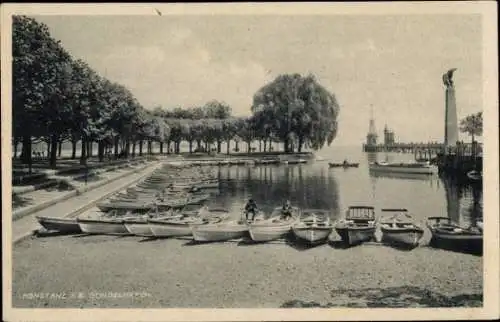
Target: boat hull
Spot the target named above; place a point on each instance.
(63, 225)
(404, 237)
(465, 241)
(102, 227)
(164, 230)
(213, 233)
(124, 206)
(139, 229)
(355, 235)
(312, 235)
(268, 233)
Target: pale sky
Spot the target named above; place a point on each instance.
(394, 63)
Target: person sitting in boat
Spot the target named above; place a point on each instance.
(250, 207)
(286, 211)
(345, 162)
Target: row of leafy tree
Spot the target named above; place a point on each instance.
(58, 98)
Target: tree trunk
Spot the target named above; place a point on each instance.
(26, 150)
(59, 148)
(117, 139)
(168, 147)
(177, 147)
(73, 149)
(89, 148)
(228, 148)
(133, 148)
(219, 143)
(53, 150)
(48, 149)
(286, 143)
(198, 144)
(248, 147)
(127, 148)
(191, 146)
(265, 146)
(140, 148)
(161, 147)
(100, 150)
(301, 142)
(83, 155)
(260, 146)
(270, 145)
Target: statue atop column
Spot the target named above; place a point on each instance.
(448, 78)
(451, 122)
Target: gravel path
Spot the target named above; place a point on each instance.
(127, 272)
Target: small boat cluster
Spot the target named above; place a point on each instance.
(169, 203)
(239, 161)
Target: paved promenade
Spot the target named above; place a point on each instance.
(24, 226)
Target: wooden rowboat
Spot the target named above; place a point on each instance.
(400, 228)
(100, 223)
(273, 228)
(357, 226)
(446, 234)
(62, 225)
(313, 227)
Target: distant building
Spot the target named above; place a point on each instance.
(371, 137)
(388, 136)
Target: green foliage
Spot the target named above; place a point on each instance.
(56, 97)
(472, 125)
(296, 108)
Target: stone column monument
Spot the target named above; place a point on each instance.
(451, 123)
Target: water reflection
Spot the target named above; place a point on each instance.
(315, 185)
(464, 201)
(271, 186)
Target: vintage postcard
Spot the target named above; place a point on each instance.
(250, 162)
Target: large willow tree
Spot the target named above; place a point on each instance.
(298, 111)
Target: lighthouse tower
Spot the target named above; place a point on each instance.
(371, 137)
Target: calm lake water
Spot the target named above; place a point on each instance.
(315, 185)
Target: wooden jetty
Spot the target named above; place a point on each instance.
(458, 159)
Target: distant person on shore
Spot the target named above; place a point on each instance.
(286, 211)
(250, 207)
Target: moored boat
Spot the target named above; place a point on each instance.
(137, 206)
(399, 228)
(179, 227)
(223, 231)
(357, 226)
(102, 224)
(314, 226)
(62, 225)
(139, 225)
(446, 234)
(402, 167)
(273, 228)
